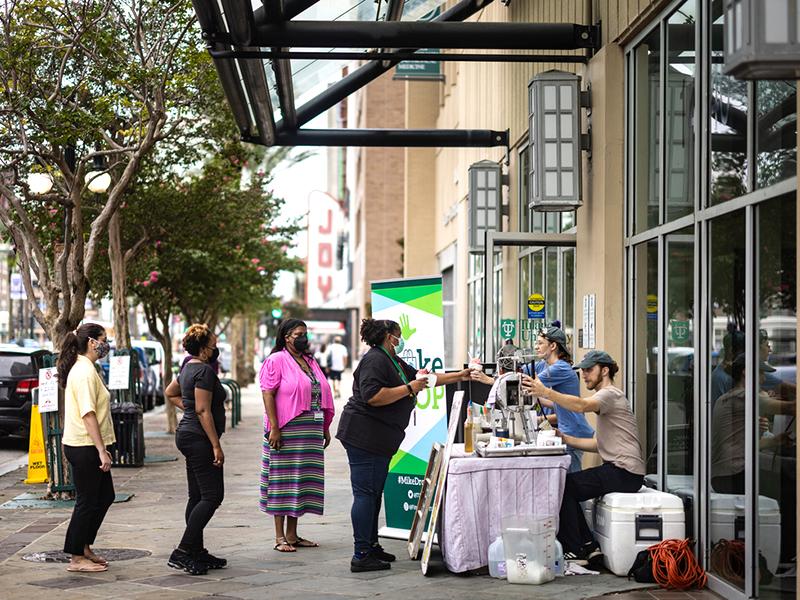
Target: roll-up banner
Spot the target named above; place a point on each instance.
(416, 304)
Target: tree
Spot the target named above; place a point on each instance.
(205, 246)
(86, 86)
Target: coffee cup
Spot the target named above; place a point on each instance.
(431, 377)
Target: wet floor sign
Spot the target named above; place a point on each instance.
(37, 462)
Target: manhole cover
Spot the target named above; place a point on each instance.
(111, 554)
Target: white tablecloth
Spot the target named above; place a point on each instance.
(480, 491)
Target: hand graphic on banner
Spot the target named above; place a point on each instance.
(405, 329)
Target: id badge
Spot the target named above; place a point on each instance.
(318, 415)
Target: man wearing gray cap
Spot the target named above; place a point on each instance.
(616, 440)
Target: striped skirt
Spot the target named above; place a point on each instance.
(293, 478)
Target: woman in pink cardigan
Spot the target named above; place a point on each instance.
(298, 407)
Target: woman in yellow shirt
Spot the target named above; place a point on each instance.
(88, 430)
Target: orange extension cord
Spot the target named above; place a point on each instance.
(675, 566)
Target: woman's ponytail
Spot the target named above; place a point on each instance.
(67, 357)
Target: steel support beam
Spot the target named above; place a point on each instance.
(211, 22)
(440, 57)
(422, 34)
(395, 138)
(273, 12)
(371, 71)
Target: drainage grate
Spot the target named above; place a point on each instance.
(110, 554)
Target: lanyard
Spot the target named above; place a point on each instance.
(396, 366)
(309, 373)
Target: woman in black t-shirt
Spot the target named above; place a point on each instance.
(372, 427)
(199, 393)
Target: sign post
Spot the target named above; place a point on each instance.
(416, 305)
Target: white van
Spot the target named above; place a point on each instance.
(155, 356)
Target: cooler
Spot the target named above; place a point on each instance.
(727, 523)
(626, 524)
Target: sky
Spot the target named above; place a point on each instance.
(294, 183)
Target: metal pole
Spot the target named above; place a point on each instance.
(395, 138)
(423, 34)
(399, 56)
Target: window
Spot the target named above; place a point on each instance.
(475, 306)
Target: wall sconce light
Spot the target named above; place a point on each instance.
(485, 202)
(762, 39)
(555, 102)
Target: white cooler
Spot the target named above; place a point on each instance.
(727, 523)
(626, 524)
(588, 512)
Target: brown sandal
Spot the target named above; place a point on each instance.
(303, 543)
(281, 545)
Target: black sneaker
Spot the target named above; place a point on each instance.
(183, 561)
(378, 552)
(212, 561)
(369, 563)
(574, 558)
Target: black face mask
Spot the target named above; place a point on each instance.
(214, 355)
(301, 343)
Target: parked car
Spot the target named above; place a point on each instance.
(19, 376)
(155, 357)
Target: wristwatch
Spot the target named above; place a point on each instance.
(410, 389)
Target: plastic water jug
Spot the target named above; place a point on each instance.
(497, 559)
(530, 549)
(558, 562)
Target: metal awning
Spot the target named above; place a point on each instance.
(284, 62)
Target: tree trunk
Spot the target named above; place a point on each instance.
(166, 341)
(116, 258)
(159, 325)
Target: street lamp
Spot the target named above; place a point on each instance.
(98, 182)
(555, 141)
(762, 39)
(39, 183)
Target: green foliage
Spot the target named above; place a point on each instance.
(213, 250)
(84, 81)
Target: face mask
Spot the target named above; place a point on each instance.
(214, 355)
(301, 343)
(102, 349)
(398, 347)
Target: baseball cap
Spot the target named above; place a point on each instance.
(595, 357)
(554, 333)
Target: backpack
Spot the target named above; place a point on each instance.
(642, 568)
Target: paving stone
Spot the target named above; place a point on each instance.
(68, 582)
(169, 581)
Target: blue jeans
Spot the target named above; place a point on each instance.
(368, 473)
(576, 456)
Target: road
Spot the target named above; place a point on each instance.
(13, 453)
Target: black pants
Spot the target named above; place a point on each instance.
(94, 493)
(573, 532)
(206, 486)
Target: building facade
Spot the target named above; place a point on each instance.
(681, 261)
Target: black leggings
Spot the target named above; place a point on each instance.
(94, 494)
(573, 532)
(206, 487)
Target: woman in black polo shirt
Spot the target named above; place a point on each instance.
(371, 428)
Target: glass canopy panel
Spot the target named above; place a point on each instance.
(311, 77)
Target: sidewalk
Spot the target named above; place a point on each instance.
(152, 521)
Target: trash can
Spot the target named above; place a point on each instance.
(128, 421)
(127, 414)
